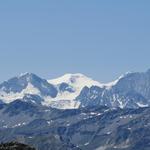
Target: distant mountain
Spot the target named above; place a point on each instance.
(131, 90)
(28, 83)
(69, 87)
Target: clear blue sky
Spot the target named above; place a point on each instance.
(99, 38)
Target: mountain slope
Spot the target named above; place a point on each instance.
(78, 129)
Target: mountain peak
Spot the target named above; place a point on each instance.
(29, 78)
(26, 83)
(74, 74)
(27, 75)
(75, 82)
(113, 83)
(76, 78)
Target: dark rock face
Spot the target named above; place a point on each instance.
(64, 87)
(15, 146)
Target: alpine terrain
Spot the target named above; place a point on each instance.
(75, 112)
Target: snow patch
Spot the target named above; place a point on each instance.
(142, 105)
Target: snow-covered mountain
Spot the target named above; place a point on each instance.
(59, 93)
(26, 84)
(131, 90)
(70, 85)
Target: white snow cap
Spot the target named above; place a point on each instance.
(79, 80)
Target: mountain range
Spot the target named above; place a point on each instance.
(72, 91)
(74, 112)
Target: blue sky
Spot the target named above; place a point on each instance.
(100, 38)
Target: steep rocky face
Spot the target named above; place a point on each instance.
(136, 82)
(131, 91)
